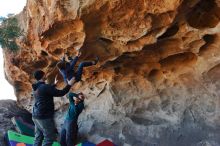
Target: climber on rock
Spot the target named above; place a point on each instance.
(67, 68)
(43, 108)
(70, 127)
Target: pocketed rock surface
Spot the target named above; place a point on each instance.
(157, 82)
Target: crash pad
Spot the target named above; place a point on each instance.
(17, 139)
(106, 143)
(22, 126)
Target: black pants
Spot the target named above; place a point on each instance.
(77, 74)
(79, 71)
(45, 133)
(69, 133)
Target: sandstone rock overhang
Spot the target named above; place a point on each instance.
(157, 79)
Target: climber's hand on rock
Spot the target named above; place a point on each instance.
(55, 81)
(78, 47)
(63, 58)
(78, 54)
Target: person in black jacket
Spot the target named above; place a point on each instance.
(43, 109)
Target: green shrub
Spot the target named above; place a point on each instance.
(9, 31)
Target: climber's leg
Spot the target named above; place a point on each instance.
(63, 136)
(71, 133)
(80, 69)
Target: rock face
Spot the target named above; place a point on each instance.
(157, 82)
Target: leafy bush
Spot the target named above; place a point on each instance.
(9, 31)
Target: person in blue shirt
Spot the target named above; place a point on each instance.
(67, 68)
(70, 127)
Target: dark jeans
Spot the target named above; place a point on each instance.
(44, 130)
(80, 69)
(69, 132)
(69, 74)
